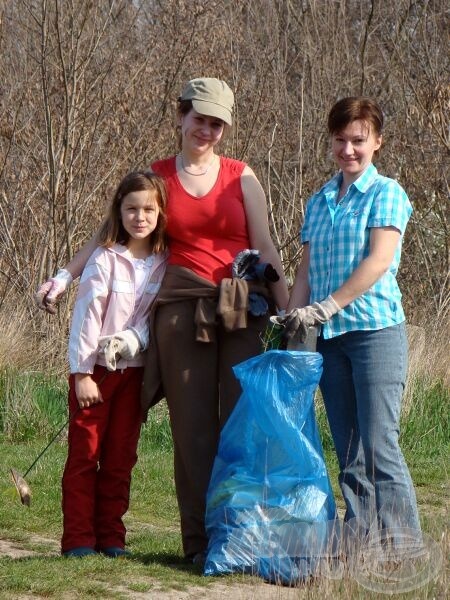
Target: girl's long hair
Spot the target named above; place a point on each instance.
(112, 231)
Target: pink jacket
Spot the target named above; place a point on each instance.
(106, 304)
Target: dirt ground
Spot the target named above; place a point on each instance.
(228, 590)
(259, 591)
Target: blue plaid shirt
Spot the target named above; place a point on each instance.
(338, 237)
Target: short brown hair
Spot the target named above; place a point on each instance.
(355, 108)
(112, 230)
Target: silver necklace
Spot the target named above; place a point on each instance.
(197, 174)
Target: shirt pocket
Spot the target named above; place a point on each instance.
(120, 286)
(355, 218)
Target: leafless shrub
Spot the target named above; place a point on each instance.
(88, 92)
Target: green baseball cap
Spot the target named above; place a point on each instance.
(211, 97)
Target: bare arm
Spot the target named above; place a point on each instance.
(80, 258)
(300, 291)
(383, 243)
(258, 229)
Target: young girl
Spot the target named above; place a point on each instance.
(108, 335)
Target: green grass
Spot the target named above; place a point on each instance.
(157, 566)
(425, 427)
(31, 404)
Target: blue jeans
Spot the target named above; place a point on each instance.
(363, 379)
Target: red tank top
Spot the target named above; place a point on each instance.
(206, 233)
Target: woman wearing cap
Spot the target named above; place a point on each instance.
(216, 208)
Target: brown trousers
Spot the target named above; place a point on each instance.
(201, 391)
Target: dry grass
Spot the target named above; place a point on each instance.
(34, 341)
(428, 357)
(31, 340)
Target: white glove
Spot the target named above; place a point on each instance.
(322, 312)
(123, 344)
(297, 321)
(49, 293)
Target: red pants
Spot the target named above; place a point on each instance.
(103, 440)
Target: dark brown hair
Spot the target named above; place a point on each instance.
(184, 106)
(355, 108)
(112, 230)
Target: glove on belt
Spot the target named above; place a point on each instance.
(124, 344)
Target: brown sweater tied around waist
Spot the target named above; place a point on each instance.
(227, 301)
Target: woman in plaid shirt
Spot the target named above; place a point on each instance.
(346, 284)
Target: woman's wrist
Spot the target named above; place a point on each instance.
(63, 276)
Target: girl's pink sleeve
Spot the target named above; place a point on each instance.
(88, 314)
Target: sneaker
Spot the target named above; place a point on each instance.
(115, 552)
(79, 552)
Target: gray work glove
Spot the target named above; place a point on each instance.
(124, 344)
(49, 293)
(297, 321)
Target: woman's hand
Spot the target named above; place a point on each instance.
(297, 321)
(50, 292)
(86, 390)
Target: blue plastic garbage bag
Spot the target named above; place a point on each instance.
(270, 507)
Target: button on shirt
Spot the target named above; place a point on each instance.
(338, 237)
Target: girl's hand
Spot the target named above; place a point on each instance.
(86, 390)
